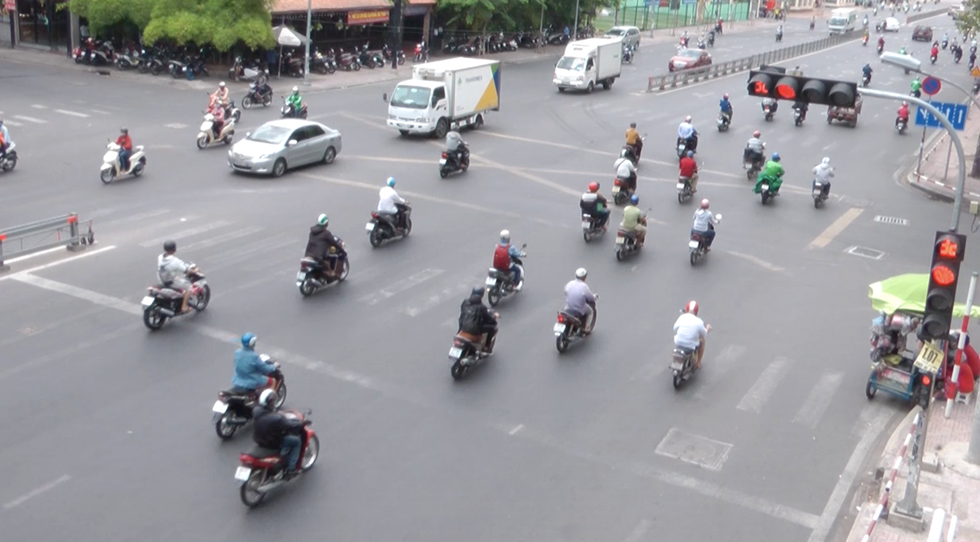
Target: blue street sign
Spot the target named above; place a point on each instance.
(955, 113)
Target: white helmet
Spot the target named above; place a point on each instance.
(826, 161)
(581, 273)
(687, 118)
(221, 84)
(505, 236)
(295, 89)
(267, 398)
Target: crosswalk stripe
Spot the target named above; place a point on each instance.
(72, 113)
(131, 218)
(720, 366)
(818, 400)
(451, 291)
(402, 285)
(30, 119)
(13, 123)
(768, 381)
(217, 240)
(39, 106)
(185, 233)
(149, 229)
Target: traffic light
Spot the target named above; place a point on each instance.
(947, 253)
(768, 83)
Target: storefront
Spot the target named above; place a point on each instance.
(416, 20)
(35, 23)
(337, 22)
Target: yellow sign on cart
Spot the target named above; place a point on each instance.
(930, 358)
(975, 72)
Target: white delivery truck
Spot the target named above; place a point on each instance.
(591, 62)
(842, 20)
(445, 95)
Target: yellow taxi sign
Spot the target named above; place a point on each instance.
(975, 72)
(930, 358)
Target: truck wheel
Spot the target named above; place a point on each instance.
(441, 128)
(607, 84)
(478, 122)
(590, 88)
(560, 89)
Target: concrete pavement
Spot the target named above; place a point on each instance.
(593, 444)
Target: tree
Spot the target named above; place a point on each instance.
(968, 22)
(477, 14)
(102, 14)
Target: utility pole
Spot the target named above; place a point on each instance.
(396, 32)
(309, 29)
(575, 28)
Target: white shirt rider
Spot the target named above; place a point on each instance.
(388, 199)
(624, 168)
(171, 269)
(756, 145)
(685, 130)
(823, 171)
(703, 217)
(688, 331)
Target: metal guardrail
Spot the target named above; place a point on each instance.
(685, 77)
(60, 231)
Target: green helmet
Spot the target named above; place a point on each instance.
(323, 220)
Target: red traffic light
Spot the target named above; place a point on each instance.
(786, 88)
(943, 275)
(760, 88)
(949, 248)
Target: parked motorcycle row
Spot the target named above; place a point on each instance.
(185, 62)
(496, 42)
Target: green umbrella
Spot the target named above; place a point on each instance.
(907, 293)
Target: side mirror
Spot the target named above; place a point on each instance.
(291, 142)
(385, 97)
(248, 134)
(523, 246)
(718, 217)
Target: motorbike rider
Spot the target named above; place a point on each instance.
(823, 173)
(504, 256)
(903, 114)
(218, 112)
(456, 147)
(935, 50)
(865, 37)
(172, 272)
(754, 148)
(595, 205)
(5, 141)
(772, 103)
(125, 148)
(295, 101)
(276, 431)
(477, 322)
(684, 38)
(324, 247)
(704, 222)
(945, 39)
(772, 174)
(580, 301)
(711, 37)
(634, 140)
(957, 51)
(718, 26)
(779, 32)
(626, 172)
(687, 133)
(802, 107)
(813, 22)
(391, 204)
(689, 170)
(634, 221)
(973, 57)
(881, 42)
(251, 373)
(916, 87)
(726, 108)
(221, 96)
(690, 332)
(866, 70)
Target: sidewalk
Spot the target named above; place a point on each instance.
(932, 177)
(955, 488)
(339, 80)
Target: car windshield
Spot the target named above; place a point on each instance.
(837, 21)
(616, 32)
(922, 29)
(572, 63)
(270, 134)
(411, 97)
(690, 53)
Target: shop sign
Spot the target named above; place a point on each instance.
(9, 5)
(414, 11)
(367, 17)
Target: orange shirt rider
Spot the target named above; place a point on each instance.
(125, 148)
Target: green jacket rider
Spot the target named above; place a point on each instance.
(916, 84)
(295, 100)
(772, 175)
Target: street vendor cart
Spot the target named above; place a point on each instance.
(845, 114)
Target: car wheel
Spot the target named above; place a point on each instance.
(279, 168)
(329, 155)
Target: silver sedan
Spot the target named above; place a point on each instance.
(283, 144)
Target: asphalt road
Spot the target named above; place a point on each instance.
(106, 420)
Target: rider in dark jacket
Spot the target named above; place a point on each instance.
(275, 431)
(476, 319)
(323, 246)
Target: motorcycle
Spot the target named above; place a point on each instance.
(779, 37)
(449, 164)
(945, 44)
(233, 409)
(880, 48)
(257, 95)
(312, 275)
(902, 125)
(682, 365)
(111, 167)
(865, 81)
(288, 112)
(9, 162)
(177, 68)
(468, 351)
(626, 243)
(371, 60)
(590, 227)
(570, 328)
(162, 303)
(798, 115)
(421, 53)
(767, 192)
(711, 39)
(957, 55)
(381, 228)
(933, 58)
(698, 245)
(347, 61)
(621, 191)
(682, 147)
(916, 93)
(126, 60)
(754, 166)
(386, 54)
(701, 44)
(684, 191)
(723, 122)
(206, 137)
(264, 469)
(196, 67)
(769, 111)
(629, 152)
(627, 54)
(500, 284)
(864, 41)
(322, 64)
(251, 73)
(818, 194)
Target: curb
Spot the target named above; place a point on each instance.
(934, 189)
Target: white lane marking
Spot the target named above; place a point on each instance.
(836, 228)
(234, 256)
(30, 495)
(388, 159)
(451, 291)
(186, 233)
(818, 400)
(154, 225)
(761, 263)
(30, 119)
(80, 293)
(101, 112)
(71, 113)
(12, 123)
(514, 431)
(400, 286)
(821, 528)
(59, 262)
(720, 366)
(222, 238)
(39, 106)
(640, 530)
(768, 381)
(35, 255)
(132, 218)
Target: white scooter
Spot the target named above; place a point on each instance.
(206, 138)
(111, 168)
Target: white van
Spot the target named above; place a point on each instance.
(842, 21)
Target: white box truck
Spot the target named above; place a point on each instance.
(842, 20)
(445, 95)
(588, 63)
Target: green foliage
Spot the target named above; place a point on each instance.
(969, 20)
(101, 14)
(514, 14)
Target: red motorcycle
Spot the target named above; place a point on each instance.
(264, 469)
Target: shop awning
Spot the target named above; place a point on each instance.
(421, 2)
(299, 6)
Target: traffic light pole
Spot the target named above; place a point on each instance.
(961, 182)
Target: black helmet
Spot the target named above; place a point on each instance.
(478, 292)
(632, 125)
(124, 130)
(169, 246)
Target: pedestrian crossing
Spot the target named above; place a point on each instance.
(43, 114)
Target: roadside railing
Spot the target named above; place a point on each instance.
(60, 231)
(685, 77)
(911, 438)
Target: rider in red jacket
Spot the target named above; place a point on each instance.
(125, 148)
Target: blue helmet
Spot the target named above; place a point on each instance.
(249, 340)
(391, 182)
(775, 157)
(634, 199)
(690, 154)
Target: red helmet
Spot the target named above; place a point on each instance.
(593, 187)
(757, 134)
(692, 307)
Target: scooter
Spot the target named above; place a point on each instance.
(206, 137)
(288, 113)
(448, 164)
(698, 245)
(9, 162)
(629, 152)
(621, 191)
(902, 125)
(865, 81)
(818, 194)
(468, 351)
(767, 192)
(933, 58)
(312, 275)
(242, 72)
(880, 48)
(125, 60)
(111, 167)
(264, 469)
(682, 365)
(798, 116)
(864, 41)
(627, 54)
(753, 167)
(591, 228)
(723, 122)
(162, 303)
(570, 329)
(684, 191)
(945, 44)
(233, 409)
(258, 94)
(500, 284)
(768, 111)
(380, 229)
(626, 242)
(779, 37)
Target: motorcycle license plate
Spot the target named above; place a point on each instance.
(586, 224)
(765, 187)
(147, 301)
(676, 365)
(219, 407)
(620, 240)
(455, 352)
(370, 226)
(559, 328)
(242, 473)
(442, 161)
(301, 276)
(694, 244)
(615, 190)
(680, 186)
(816, 192)
(491, 282)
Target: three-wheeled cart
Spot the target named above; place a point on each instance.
(845, 114)
(896, 369)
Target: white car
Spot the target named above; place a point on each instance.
(892, 24)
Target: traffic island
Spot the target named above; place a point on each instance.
(935, 176)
